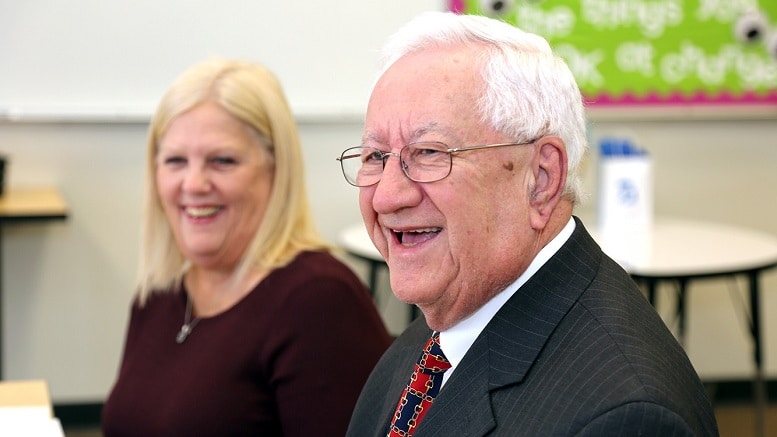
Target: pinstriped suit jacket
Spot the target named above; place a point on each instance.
(577, 350)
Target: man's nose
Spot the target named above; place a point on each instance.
(394, 190)
(393, 168)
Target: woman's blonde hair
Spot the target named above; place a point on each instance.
(252, 94)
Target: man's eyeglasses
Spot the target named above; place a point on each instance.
(421, 162)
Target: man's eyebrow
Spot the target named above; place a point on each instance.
(371, 138)
(414, 136)
(420, 132)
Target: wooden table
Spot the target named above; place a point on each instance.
(30, 204)
(25, 205)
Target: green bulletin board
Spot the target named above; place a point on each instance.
(655, 52)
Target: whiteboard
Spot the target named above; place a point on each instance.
(114, 59)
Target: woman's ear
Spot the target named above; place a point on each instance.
(550, 179)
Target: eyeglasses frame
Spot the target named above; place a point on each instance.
(385, 155)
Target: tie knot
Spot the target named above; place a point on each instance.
(432, 360)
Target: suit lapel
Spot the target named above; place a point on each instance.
(509, 345)
(463, 406)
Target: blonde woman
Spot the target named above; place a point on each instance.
(244, 323)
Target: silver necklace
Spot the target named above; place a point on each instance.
(188, 323)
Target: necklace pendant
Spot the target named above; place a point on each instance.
(183, 333)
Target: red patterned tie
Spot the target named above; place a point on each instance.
(420, 392)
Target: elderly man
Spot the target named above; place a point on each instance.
(468, 171)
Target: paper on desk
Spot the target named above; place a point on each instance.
(26, 421)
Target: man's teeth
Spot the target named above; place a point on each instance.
(199, 212)
(416, 236)
(418, 231)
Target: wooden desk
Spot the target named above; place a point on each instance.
(673, 250)
(25, 206)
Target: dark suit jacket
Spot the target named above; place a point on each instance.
(577, 350)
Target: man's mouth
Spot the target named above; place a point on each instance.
(416, 236)
(202, 211)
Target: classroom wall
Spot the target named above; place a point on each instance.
(110, 58)
(67, 286)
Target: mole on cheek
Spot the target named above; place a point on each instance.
(508, 166)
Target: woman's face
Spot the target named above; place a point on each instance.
(214, 179)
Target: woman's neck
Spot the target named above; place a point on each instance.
(214, 291)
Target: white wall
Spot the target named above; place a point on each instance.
(110, 57)
(67, 285)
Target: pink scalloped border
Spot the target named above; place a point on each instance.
(678, 99)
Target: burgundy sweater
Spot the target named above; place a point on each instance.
(289, 359)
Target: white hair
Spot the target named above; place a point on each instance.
(528, 90)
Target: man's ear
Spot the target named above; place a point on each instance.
(550, 175)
